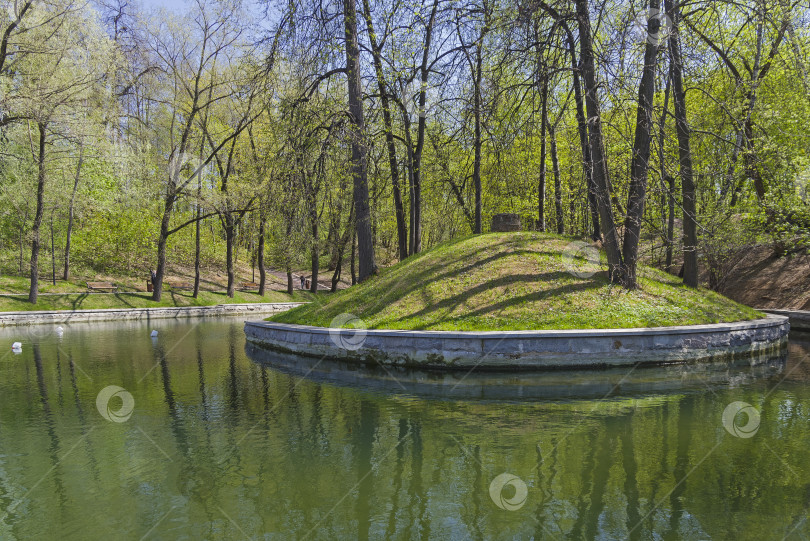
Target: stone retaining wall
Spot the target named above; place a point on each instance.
(799, 319)
(116, 314)
(530, 350)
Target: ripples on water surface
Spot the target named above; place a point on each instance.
(227, 442)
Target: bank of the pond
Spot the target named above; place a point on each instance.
(799, 319)
(146, 314)
(757, 340)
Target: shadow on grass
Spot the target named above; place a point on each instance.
(450, 304)
(382, 292)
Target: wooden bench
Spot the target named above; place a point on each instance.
(248, 286)
(102, 286)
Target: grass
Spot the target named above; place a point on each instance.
(72, 295)
(514, 281)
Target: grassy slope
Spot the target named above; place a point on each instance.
(513, 281)
(68, 299)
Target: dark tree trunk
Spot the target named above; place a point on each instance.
(354, 252)
(582, 123)
(690, 272)
(399, 209)
(365, 241)
(33, 291)
(667, 200)
(163, 239)
(288, 257)
(555, 164)
(541, 185)
(230, 237)
(53, 254)
(260, 255)
(420, 137)
(616, 271)
(582, 129)
(197, 242)
(68, 236)
(411, 183)
(341, 249)
(670, 223)
(477, 106)
(641, 151)
(315, 252)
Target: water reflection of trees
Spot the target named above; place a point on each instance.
(283, 456)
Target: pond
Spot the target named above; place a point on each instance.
(108, 433)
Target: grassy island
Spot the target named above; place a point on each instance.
(515, 281)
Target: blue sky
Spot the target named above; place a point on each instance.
(174, 5)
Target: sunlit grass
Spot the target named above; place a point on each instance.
(514, 281)
(72, 295)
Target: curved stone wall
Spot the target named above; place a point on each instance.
(757, 340)
(117, 314)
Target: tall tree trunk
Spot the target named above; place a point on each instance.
(641, 150)
(287, 256)
(230, 237)
(690, 265)
(399, 209)
(666, 194)
(409, 161)
(68, 236)
(354, 252)
(582, 130)
(163, 239)
(260, 255)
(670, 223)
(53, 254)
(424, 71)
(555, 164)
(342, 242)
(197, 249)
(316, 249)
(541, 185)
(365, 241)
(616, 270)
(33, 291)
(478, 143)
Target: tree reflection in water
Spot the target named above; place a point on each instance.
(254, 449)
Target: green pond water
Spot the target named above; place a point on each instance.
(224, 441)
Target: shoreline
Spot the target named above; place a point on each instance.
(8, 319)
(756, 340)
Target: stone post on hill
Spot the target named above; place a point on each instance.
(502, 223)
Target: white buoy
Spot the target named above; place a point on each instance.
(154, 334)
(16, 346)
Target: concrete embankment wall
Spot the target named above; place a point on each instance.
(799, 319)
(529, 350)
(145, 314)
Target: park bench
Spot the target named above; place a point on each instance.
(102, 286)
(248, 286)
